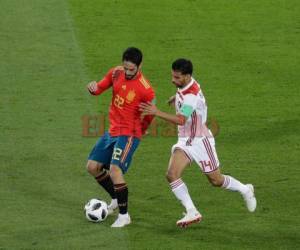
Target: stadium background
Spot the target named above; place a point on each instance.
(246, 57)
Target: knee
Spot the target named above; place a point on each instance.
(115, 171)
(93, 168)
(172, 175)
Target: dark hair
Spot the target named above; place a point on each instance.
(183, 65)
(133, 55)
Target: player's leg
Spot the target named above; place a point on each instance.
(121, 158)
(178, 162)
(98, 165)
(230, 183)
(207, 159)
(121, 191)
(98, 170)
(102, 176)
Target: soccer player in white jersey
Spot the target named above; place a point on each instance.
(195, 143)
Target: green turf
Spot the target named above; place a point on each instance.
(246, 57)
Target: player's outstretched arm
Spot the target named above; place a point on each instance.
(150, 109)
(96, 88)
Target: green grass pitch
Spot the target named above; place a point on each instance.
(246, 57)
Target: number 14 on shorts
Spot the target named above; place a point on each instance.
(206, 166)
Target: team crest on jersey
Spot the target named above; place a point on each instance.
(124, 87)
(130, 96)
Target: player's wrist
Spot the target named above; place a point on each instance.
(158, 113)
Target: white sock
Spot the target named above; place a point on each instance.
(181, 192)
(234, 185)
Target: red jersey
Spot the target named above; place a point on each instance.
(124, 115)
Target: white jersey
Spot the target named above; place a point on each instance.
(190, 102)
(194, 138)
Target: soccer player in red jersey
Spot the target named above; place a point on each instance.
(111, 156)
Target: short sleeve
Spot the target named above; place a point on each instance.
(189, 105)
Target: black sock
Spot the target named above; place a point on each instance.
(121, 191)
(105, 181)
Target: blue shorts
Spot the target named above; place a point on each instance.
(117, 150)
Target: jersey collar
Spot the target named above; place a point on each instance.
(187, 86)
(138, 75)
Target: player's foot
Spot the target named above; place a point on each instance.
(112, 206)
(249, 198)
(192, 216)
(123, 220)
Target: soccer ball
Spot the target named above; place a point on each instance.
(96, 210)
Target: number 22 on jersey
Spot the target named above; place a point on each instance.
(119, 101)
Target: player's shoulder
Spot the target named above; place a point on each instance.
(114, 73)
(117, 71)
(192, 90)
(144, 82)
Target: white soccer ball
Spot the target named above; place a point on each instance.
(96, 210)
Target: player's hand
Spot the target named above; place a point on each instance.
(148, 108)
(92, 87)
(171, 100)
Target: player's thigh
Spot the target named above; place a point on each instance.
(177, 163)
(102, 151)
(123, 152)
(204, 154)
